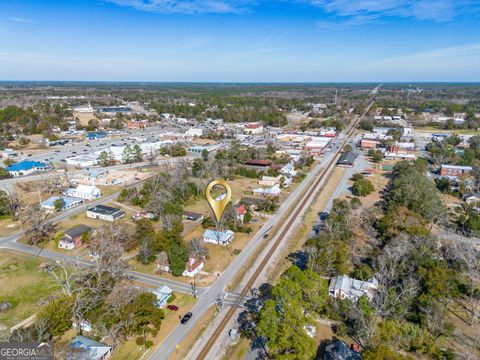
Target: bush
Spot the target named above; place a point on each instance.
(139, 340)
(148, 344)
(357, 177)
(340, 329)
(237, 251)
(355, 203)
(171, 298)
(208, 222)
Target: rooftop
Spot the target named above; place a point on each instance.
(26, 165)
(104, 210)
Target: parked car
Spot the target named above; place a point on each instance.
(186, 317)
(172, 307)
(265, 236)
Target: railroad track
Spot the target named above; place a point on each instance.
(316, 183)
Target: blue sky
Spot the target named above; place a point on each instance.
(240, 40)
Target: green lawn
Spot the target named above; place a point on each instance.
(23, 284)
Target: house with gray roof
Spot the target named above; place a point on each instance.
(344, 287)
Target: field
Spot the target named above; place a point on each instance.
(23, 284)
(8, 226)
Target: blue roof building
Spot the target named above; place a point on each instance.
(92, 135)
(88, 349)
(26, 167)
(68, 201)
(218, 237)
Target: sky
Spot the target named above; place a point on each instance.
(240, 40)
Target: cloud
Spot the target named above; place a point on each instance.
(454, 63)
(187, 6)
(21, 20)
(433, 10)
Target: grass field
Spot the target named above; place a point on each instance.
(23, 284)
(8, 226)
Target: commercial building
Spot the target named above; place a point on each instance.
(137, 124)
(26, 167)
(93, 135)
(454, 170)
(253, 128)
(103, 212)
(68, 203)
(347, 159)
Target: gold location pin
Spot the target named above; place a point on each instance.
(219, 206)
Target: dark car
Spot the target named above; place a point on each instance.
(186, 317)
(265, 236)
(172, 307)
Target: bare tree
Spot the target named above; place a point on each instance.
(197, 249)
(35, 224)
(161, 262)
(107, 257)
(65, 275)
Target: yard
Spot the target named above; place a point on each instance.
(23, 284)
(131, 351)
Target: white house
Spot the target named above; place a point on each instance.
(163, 294)
(343, 287)
(274, 191)
(88, 192)
(218, 237)
(288, 170)
(68, 203)
(270, 180)
(194, 266)
(103, 212)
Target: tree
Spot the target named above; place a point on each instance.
(5, 207)
(36, 226)
(205, 155)
(57, 315)
(137, 153)
(8, 162)
(362, 187)
(127, 155)
(59, 204)
(105, 158)
(177, 256)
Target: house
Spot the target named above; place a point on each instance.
(343, 287)
(73, 237)
(26, 167)
(251, 202)
(218, 237)
(274, 191)
(194, 266)
(270, 180)
(240, 212)
(192, 216)
(347, 159)
(68, 203)
(87, 349)
(454, 170)
(288, 171)
(254, 128)
(103, 212)
(143, 215)
(472, 199)
(339, 350)
(87, 192)
(163, 294)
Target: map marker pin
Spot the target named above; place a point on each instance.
(218, 206)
